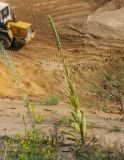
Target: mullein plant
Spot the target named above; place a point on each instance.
(78, 120)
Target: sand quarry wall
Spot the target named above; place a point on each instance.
(108, 21)
(107, 24)
(112, 5)
(47, 78)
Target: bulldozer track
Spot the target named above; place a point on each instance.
(77, 48)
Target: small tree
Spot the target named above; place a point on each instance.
(111, 82)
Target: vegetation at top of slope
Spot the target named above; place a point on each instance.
(111, 82)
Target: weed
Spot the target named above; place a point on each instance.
(53, 100)
(78, 120)
(97, 152)
(111, 82)
(63, 121)
(99, 107)
(115, 129)
(32, 146)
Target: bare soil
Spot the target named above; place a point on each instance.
(12, 111)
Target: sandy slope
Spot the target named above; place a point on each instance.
(38, 63)
(107, 24)
(37, 81)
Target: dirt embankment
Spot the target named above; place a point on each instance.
(107, 24)
(112, 5)
(108, 20)
(84, 53)
(36, 81)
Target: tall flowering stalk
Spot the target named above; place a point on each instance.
(78, 120)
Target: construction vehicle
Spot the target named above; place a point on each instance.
(11, 30)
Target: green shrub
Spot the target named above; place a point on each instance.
(32, 146)
(111, 82)
(53, 100)
(64, 121)
(116, 129)
(97, 152)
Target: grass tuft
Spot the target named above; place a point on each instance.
(53, 100)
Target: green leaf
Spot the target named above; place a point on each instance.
(76, 126)
(69, 134)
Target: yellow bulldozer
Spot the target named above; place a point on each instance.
(11, 30)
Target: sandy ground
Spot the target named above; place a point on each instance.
(12, 111)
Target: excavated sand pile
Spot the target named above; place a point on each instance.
(107, 24)
(111, 5)
(108, 21)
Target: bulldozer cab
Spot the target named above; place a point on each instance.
(4, 13)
